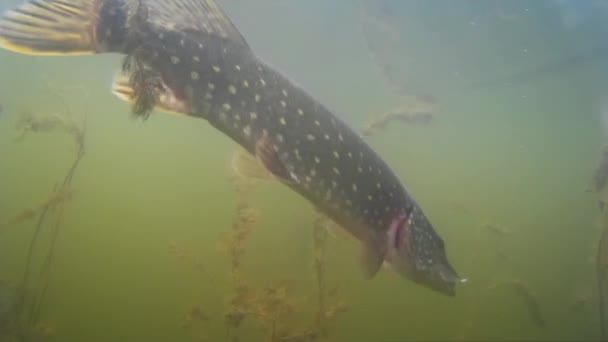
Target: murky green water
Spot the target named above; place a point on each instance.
(501, 171)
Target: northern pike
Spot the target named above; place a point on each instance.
(187, 57)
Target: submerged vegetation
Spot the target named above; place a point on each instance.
(274, 307)
(31, 290)
(418, 111)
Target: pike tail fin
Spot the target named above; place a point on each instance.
(64, 27)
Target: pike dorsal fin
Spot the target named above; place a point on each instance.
(204, 16)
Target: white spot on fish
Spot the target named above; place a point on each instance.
(189, 92)
(280, 138)
(355, 187)
(253, 115)
(283, 121)
(196, 59)
(257, 98)
(317, 160)
(283, 104)
(336, 154)
(237, 67)
(216, 68)
(360, 169)
(340, 137)
(245, 84)
(200, 46)
(182, 43)
(262, 82)
(232, 89)
(237, 117)
(327, 195)
(211, 86)
(194, 75)
(300, 112)
(310, 137)
(161, 36)
(174, 59)
(284, 92)
(247, 130)
(326, 136)
(317, 123)
(336, 171)
(208, 97)
(370, 197)
(223, 116)
(350, 155)
(313, 172)
(227, 106)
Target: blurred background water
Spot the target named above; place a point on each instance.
(134, 248)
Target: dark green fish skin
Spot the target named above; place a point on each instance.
(219, 78)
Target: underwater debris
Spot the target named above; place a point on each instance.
(24, 215)
(378, 55)
(56, 197)
(529, 298)
(601, 264)
(45, 330)
(326, 311)
(194, 315)
(581, 301)
(600, 177)
(184, 255)
(495, 229)
(419, 110)
(319, 241)
(31, 123)
(8, 309)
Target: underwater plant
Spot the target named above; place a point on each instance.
(49, 215)
(416, 111)
(280, 314)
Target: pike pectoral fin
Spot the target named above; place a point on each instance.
(372, 257)
(267, 152)
(247, 166)
(166, 101)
